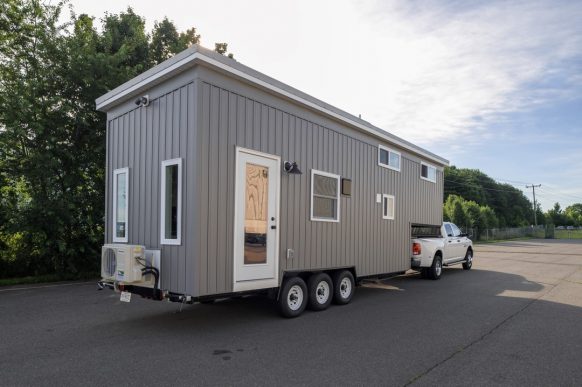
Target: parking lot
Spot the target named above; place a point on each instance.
(514, 319)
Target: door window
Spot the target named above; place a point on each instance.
(256, 214)
(449, 230)
(456, 231)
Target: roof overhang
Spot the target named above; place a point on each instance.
(199, 55)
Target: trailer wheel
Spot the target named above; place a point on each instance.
(343, 287)
(468, 260)
(436, 269)
(320, 288)
(293, 297)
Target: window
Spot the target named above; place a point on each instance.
(449, 230)
(427, 172)
(387, 207)
(120, 205)
(171, 217)
(456, 231)
(325, 189)
(388, 158)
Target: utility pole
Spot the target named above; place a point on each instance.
(533, 187)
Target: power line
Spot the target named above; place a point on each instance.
(562, 194)
(478, 186)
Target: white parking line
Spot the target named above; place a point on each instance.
(48, 286)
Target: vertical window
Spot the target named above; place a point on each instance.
(449, 229)
(325, 189)
(388, 158)
(171, 216)
(387, 207)
(120, 205)
(428, 172)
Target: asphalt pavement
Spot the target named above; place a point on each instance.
(514, 319)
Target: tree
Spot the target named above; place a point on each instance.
(221, 48)
(52, 141)
(574, 214)
(510, 205)
(166, 41)
(555, 215)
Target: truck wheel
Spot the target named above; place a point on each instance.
(436, 269)
(320, 290)
(344, 287)
(293, 297)
(424, 272)
(468, 260)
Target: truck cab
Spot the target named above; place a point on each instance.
(434, 247)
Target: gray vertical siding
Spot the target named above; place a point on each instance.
(202, 121)
(362, 238)
(141, 139)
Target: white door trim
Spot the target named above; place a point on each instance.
(262, 283)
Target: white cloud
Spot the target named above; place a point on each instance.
(423, 70)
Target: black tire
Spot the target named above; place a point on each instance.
(436, 269)
(424, 272)
(468, 260)
(344, 287)
(293, 297)
(320, 289)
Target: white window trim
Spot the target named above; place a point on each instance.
(428, 166)
(114, 222)
(178, 240)
(382, 147)
(384, 215)
(338, 179)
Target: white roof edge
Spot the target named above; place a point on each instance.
(116, 95)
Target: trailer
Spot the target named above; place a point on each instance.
(223, 181)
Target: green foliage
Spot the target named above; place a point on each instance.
(221, 48)
(166, 41)
(52, 141)
(510, 206)
(468, 214)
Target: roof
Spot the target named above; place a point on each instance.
(197, 55)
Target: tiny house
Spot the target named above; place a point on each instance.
(222, 180)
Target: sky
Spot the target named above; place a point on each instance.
(490, 85)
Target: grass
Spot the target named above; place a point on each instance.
(485, 242)
(39, 279)
(568, 234)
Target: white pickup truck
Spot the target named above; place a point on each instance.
(436, 246)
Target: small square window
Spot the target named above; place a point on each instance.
(428, 172)
(388, 158)
(325, 199)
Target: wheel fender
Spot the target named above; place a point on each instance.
(427, 260)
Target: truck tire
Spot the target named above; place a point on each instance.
(424, 272)
(320, 290)
(293, 297)
(436, 269)
(468, 260)
(344, 287)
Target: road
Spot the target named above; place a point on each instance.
(515, 319)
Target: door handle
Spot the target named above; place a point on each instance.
(273, 227)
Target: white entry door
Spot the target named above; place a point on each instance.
(256, 229)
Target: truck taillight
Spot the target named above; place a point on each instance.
(416, 250)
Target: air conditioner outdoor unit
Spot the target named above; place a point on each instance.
(122, 263)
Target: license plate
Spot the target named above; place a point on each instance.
(125, 297)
